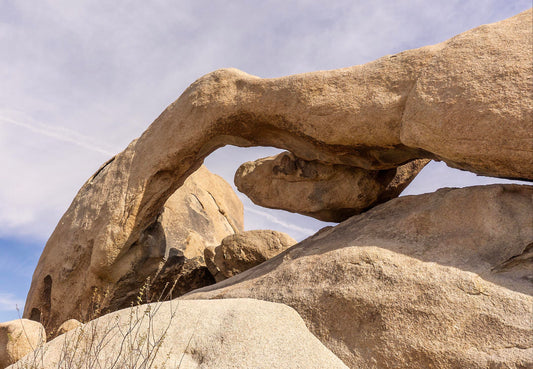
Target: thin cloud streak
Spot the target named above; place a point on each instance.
(273, 219)
(61, 134)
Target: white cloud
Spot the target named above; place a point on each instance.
(8, 302)
(39, 176)
(84, 78)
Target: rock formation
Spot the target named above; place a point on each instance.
(242, 251)
(329, 192)
(237, 334)
(169, 251)
(464, 101)
(18, 338)
(438, 280)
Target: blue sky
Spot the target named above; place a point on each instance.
(81, 79)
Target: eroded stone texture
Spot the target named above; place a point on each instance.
(18, 338)
(169, 252)
(242, 251)
(472, 89)
(68, 326)
(438, 280)
(329, 192)
(240, 334)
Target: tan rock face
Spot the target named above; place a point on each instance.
(463, 104)
(438, 280)
(240, 334)
(18, 338)
(68, 326)
(329, 192)
(200, 214)
(242, 251)
(472, 91)
(169, 252)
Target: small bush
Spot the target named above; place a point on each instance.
(138, 342)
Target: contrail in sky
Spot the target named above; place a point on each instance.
(273, 219)
(61, 134)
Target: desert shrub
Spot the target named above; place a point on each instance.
(109, 343)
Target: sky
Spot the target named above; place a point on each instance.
(80, 79)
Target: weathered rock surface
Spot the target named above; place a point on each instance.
(201, 213)
(169, 252)
(465, 101)
(68, 326)
(18, 338)
(440, 280)
(242, 251)
(239, 333)
(329, 192)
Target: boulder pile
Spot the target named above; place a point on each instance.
(436, 280)
(167, 257)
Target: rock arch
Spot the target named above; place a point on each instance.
(463, 101)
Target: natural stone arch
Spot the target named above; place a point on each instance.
(374, 116)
